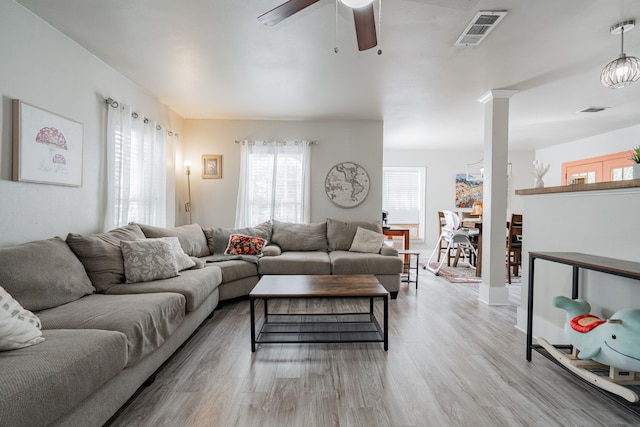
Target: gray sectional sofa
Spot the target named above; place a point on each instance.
(317, 248)
(105, 336)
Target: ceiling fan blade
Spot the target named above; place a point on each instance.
(365, 27)
(284, 11)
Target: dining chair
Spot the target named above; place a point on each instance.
(514, 246)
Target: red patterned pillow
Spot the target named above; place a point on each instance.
(239, 244)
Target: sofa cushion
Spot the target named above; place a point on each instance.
(191, 237)
(340, 233)
(42, 383)
(271, 250)
(43, 274)
(367, 241)
(233, 269)
(344, 262)
(101, 255)
(183, 260)
(146, 319)
(218, 238)
(18, 327)
(300, 237)
(293, 262)
(147, 260)
(194, 285)
(239, 244)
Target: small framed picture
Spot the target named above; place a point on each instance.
(211, 166)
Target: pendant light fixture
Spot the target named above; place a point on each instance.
(624, 70)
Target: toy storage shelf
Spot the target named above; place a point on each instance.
(577, 261)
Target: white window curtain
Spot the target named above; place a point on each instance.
(136, 169)
(274, 182)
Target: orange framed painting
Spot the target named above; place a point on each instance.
(211, 166)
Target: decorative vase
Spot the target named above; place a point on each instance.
(636, 171)
(538, 183)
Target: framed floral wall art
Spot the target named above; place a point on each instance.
(211, 166)
(468, 191)
(47, 147)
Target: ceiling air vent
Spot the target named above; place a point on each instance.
(480, 27)
(593, 109)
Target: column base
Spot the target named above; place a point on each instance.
(493, 295)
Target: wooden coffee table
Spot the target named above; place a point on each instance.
(323, 327)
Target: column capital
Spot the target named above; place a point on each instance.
(497, 93)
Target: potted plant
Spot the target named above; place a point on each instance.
(635, 158)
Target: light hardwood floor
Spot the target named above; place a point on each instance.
(452, 361)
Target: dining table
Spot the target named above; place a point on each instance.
(475, 228)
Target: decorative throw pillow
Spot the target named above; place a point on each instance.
(218, 238)
(18, 327)
(367, 241)
(183, 260)
(147, 260)
(239, 244)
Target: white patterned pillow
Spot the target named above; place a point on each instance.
(147, 260)
(18, 327)
(367, 241)
(184, 261)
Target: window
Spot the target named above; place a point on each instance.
(403, 198)
(611, 167)
(274, 182)
(136, 169)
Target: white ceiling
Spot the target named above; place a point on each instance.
(213, 59)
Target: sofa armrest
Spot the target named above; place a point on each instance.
(388, 251)
(271, 250)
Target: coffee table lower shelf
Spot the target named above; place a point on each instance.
(281, 328)
(317, 328)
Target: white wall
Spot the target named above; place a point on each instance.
(442, 166)
(607, 143)
(214, 200)
(43, 67)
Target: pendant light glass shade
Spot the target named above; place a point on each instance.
(621, 72)
(624, 70)
(355, 4)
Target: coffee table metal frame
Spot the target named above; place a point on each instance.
(337, 328)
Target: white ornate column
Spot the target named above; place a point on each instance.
(496, 145)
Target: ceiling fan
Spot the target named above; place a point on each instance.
(362, 15)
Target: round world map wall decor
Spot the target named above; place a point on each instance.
(347, 184)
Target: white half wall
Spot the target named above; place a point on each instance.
(214, 200)
(43, 67)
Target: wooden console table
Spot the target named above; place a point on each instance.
(576, 260)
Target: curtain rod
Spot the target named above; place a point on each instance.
(246, 141)
(113, 103)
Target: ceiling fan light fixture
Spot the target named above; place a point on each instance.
(356, 4)
(624, 70)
